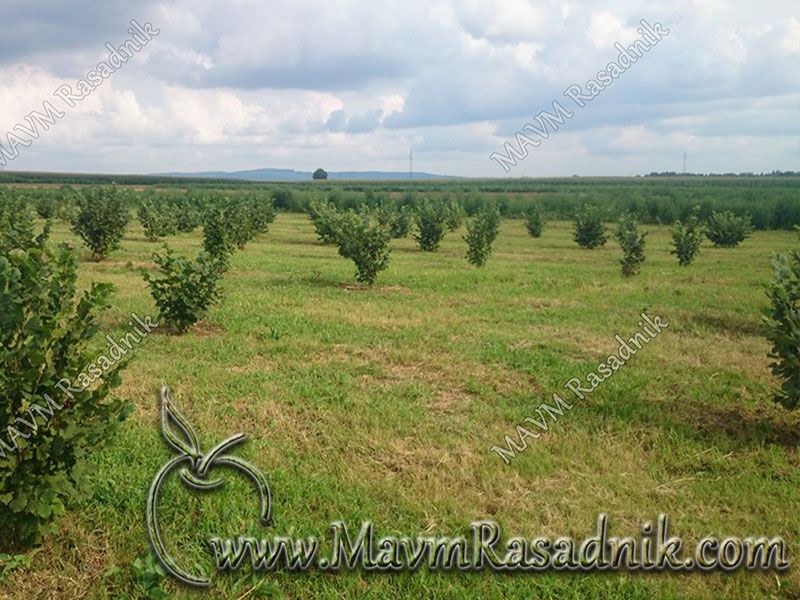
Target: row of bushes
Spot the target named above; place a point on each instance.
(768, 207)
(363, 235)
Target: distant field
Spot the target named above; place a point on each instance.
(382, 404)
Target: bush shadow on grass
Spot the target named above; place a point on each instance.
(728, 324)
(750, 425)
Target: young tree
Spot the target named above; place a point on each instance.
(430, 219)
(217, 239)
(185, 289)
(590, 230)
(363, 239)
(395, 217)
(632, 244)
(454, 214)
(45, 341)
(320, 174)
(158, 218)
(727, 230)
(326, 220)
(687, 239)
(101, 218)
(534, 221)
(482, 231)
(782, 318)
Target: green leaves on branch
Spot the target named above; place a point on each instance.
(49, 421)
(727, 230)
(184, 289)
(482, 231)
(431, 222)
(687, 239)
(100, 219)
(158, 218)
(590, 229)
(362, 239)
(632, 243)
(782, 319)
(534, 222)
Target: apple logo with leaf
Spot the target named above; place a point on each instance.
(194, 467)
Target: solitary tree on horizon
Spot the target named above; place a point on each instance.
(320, 174)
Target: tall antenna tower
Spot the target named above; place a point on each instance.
(684, 163)
(411, 163)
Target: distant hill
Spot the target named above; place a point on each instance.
(292, 175)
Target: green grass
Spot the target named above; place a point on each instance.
(382, 404)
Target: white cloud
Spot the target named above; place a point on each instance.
(350, 83)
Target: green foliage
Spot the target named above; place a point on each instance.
(66, 207)
(185, 289)
(16, 222)
(534, 222)
(326, 220)
(430, 219)
(47, 434)
(687, 239)
(482, 231)
(260, 213)
(454, 214)
(158, 218)
(365, 241)
(244, 217)
(101, 218)
(46, 206)
(590, 229)
(320, 174)
(217, 240)
(782, 318)
(187, 210)
(727, 230)
(149, 577)
(396, 218)
(632, 244)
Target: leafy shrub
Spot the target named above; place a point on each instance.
(260, 213)
(66, 207)
(217, 240)
(632, 244)
(687, 239)
(326, 221)
(101, 218)
(590, 230)
(482, 231)
(430, 219)
(282, 199)
(186, 208)
(454, 214)
(782, 318)
(727, 230)
(185, 289)
(365, 241)
(45, 331)
(16, 222)
(157, 218)
(534, 221)
(46, 206)
(396, 218)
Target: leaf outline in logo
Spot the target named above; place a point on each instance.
(181, 437)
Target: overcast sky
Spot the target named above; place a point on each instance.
(351, 84)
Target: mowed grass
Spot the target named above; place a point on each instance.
(382, 404)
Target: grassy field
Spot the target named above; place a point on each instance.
(382, 404)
